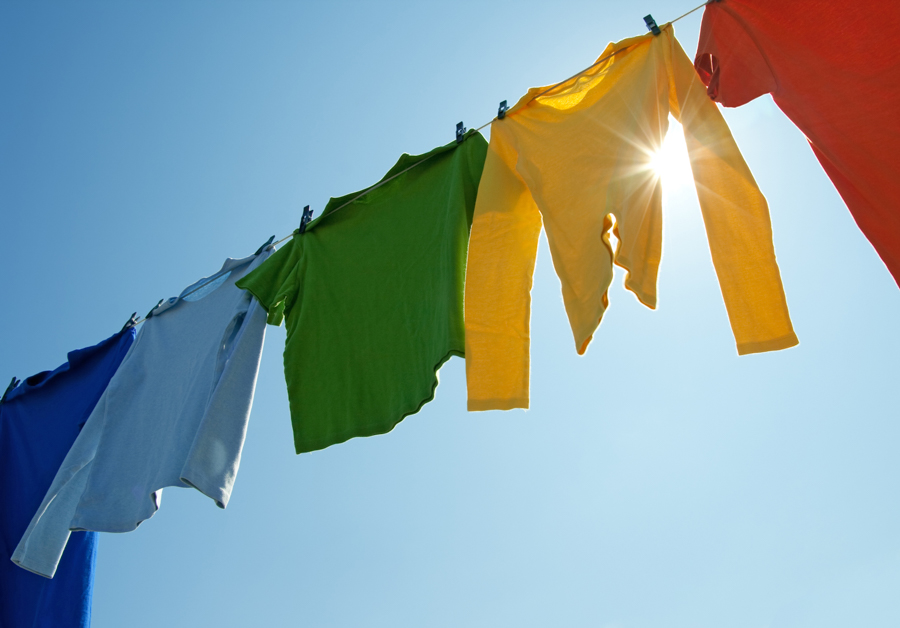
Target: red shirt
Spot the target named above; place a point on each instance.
(834, 69)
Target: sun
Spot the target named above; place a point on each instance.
(671, 163)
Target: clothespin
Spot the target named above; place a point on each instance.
(262, 248)
(460, 132)
(651, 25)
(131, 322)
(150, 313)
(501, 111)
(12, 385)
(304, 220)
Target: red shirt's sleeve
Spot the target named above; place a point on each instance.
(729, 62)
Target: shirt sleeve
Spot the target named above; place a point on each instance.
(502, 251)
(212, 465)
(729, 61)
(735, 213)
(41, 547)
(275, 282)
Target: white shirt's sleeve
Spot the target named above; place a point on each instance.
(41, 547)
(215, 455)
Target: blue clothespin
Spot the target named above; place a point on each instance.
(501, 111)
(15, 382)
(460, 132)
(131, 322)
(651, 25)
(263, 247)
(304, 220)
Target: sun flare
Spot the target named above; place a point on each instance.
(670, 162)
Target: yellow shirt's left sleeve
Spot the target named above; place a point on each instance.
(734, 211)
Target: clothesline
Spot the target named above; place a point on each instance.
(135, 320)
(173, 410)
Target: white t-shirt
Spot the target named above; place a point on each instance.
(174, 414)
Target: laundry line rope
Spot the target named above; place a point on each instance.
(491, 121)
(135, 322)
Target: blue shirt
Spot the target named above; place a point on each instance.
(39, 421)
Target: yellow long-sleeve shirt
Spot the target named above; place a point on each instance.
(579, 156)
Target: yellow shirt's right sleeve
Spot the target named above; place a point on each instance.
(502, 251)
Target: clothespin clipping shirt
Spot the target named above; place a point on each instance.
(263, 247)
(15, 382)
(460, 132)
(131, 322)
(304, 220)
(651, 25)
(150, 313)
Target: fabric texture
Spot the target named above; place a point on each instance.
(578, 159)
(833, 70)
(373, 297)
(174, 414)
(39, 421)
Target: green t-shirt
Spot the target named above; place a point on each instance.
(373, 296)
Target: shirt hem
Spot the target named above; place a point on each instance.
(776, 344)
(375, 429)
(201, 484)
(34, 570)
(482, 405)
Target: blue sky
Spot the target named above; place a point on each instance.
(659, 480)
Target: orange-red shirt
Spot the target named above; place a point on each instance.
(834, 69)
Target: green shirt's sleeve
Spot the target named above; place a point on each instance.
(275, 282)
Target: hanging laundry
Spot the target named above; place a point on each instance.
(834, 70)
(39, 421)
(174, 414)
(579, 156)
(373, 296)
